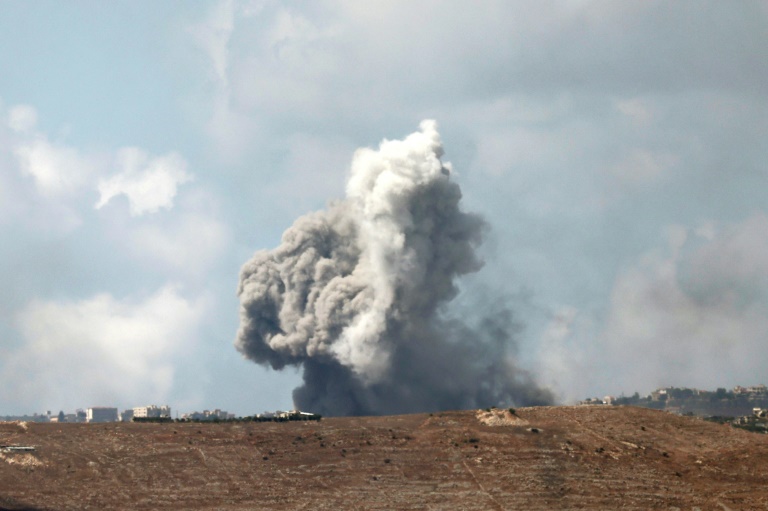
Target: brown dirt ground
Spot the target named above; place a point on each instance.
(542, 458)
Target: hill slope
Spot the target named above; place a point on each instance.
(539, 458)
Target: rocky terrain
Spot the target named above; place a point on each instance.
(588, 457)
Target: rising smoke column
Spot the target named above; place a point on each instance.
(356, 295)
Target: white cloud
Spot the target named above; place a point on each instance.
(291, 64)
(213, 37)
(733, 263)
(185, 245)
(506, 152)
(694, 315)
(643, 166)
(229, 128)
(101, 351)
(22, 118)
(28, 206)
(190, 244)
(320, 164)
(56, 169)
(148, 183)
(640, 111)
(706, 230)
(252, 8)
(62, 173)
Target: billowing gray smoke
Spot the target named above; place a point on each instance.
(357, 294)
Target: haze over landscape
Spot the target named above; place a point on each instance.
(591, 200)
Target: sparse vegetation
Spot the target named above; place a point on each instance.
(206, 466)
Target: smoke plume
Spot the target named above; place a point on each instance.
(357, 296)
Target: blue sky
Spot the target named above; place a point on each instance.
(148, 149)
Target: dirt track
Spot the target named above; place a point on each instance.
(540, 458)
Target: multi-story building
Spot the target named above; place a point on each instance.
(208, 415)
(101, 414)
(152, 411)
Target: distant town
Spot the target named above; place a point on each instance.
(153, 413)
(745, 407)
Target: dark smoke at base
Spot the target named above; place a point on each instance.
(462, 370)
(358, 296)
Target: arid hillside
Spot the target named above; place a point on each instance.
(539, 458)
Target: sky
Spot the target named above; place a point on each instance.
(148, 149)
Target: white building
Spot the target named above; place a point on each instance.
(152, 411)
(101, 414)
(208, 415)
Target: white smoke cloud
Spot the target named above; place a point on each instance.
(149, 183)
(355, 295)
(561, 363)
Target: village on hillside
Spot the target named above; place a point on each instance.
(745, 407)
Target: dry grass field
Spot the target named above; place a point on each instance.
(543, 458)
